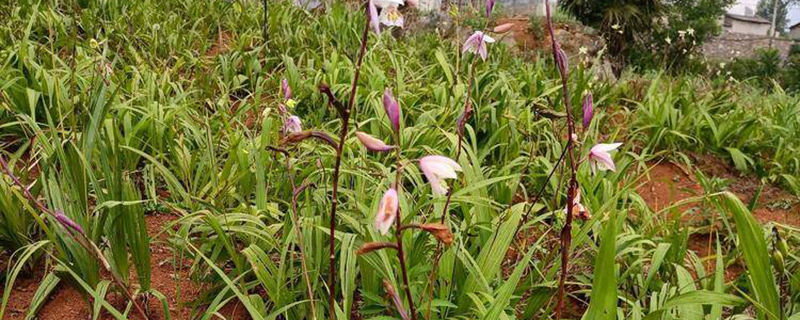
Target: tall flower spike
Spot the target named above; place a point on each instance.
(588, 109)
(292, 125)
(387, 211)
(599, 157)
(287, 92)
(392, 109)
(436, 169)
(476, 43)
(489, 8)
(372, 143)
(373, 16)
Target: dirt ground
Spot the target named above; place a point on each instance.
(667, 183)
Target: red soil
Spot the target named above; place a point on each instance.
(67, 303)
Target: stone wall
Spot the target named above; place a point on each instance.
(736, 45)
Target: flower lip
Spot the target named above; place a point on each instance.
(391, 17)
(387, 211)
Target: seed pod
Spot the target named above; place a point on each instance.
(777, 260)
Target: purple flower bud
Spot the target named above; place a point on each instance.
(588, 109)
(67, 223)
(392, 109)
(287, 92)
(372, 11)
(561, 61)
(372, 143)
(489, 8)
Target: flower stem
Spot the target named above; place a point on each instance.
(566, 231)
(298, 233)
(336, 170)
(399, 231)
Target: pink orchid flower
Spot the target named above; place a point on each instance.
(599, 157)
(436, 169)
(372, 143)
(387, 211)
(476, 43)
(292, 125)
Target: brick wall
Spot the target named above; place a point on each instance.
(733, 45)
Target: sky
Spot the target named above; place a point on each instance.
(739, 8)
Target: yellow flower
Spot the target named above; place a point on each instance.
(291, 103)
(93, 43)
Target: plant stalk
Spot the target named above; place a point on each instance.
(566, 231)
(345, 115)
(399, 232)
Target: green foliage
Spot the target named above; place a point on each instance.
(176, 108)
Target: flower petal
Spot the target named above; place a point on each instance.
(373, 16)
(605, 147)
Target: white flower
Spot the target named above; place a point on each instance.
(583, 50)
(436, 169)
(690, 31)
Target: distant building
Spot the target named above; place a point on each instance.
(794, 31)
(742, 24)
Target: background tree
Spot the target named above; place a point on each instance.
(651, 33)
(766, 8)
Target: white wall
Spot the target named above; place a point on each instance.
(795, 33)
(748, 27)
